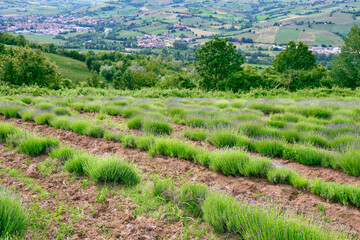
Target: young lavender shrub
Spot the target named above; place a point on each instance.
(94, 131)
(349, 162)
(129, 112)
(308, 155)
(112, 170)
(157, 127)
(175, 148)
(192, 195)
(111, 110)
(62, 154)
(43, 106)
(342, 142)
(317, 111)
(76, 164)
(135, 122)
(79, 126)
(276, 123)
(195, 121)
(229, 162)
(314, 138)
(6, 130)
(269, 147)
(11, 110)
(33, 145)
(14, 219)
(195, 135)
(62, 111)
(60, 123)
(224, 138)
(27, 114)
(345, 194)
(266, 108)
(253, 128)
(257, 167)
(26, 99)
(175, 112)
(290, 135)
(260, 221)
(43, 117)
(92, 106)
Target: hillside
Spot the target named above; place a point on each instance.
(70, 68)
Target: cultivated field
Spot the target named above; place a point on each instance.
(177, 168)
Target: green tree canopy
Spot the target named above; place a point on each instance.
(23, 65)
(216, 61)
(294, 58)
(346, 69)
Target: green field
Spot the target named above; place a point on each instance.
(70, 68)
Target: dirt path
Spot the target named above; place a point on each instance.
(113, 220)
(181, 170)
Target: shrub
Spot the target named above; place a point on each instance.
(224, 138)
(175, 111)
(43, 118)
(113, 170)
(307, 155)
(120, 102)
(129, 112)
(92, 107)
(257, 167)
(269, 147)
(343, 142)
(229, 162)
(345, 194)
(195, 135)
(145, 142)
(253, 129)
(77, 163)
(62, 111)
(27, 114)
(111, 110)
(135, 122)
(34, 146)
(277, 124)
(157, 127)
(60, 123)
(195, 122)
(62, 154)
(314, 139)
(11, 111)
(14, 218)
(290, 135)
(259, 221)
(281, 175)
(6, 130)
(350, 162)
(175, 148)
(266, 108)
(319, 112)
(26, 99)
(94, 131)
(79, 126)
(191, 197)
(43, 106)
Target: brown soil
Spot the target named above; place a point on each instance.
(115, 218)
(181, 170)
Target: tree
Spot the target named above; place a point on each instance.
(294, 58)
(216, 61)
(107, 72)
(27, 66)
(346, 69)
